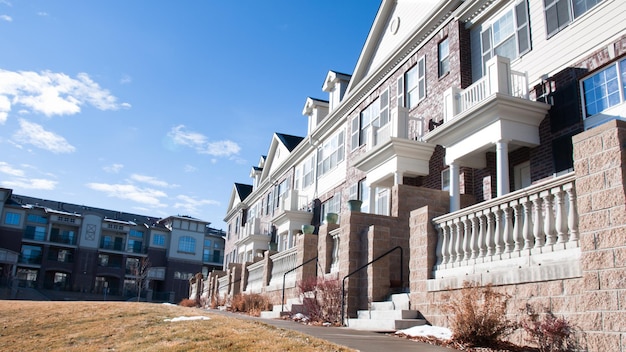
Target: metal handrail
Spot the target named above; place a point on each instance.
(282, 301)
(343, 282)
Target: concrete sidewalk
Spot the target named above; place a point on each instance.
(364, 341)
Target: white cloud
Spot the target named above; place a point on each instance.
(34, 183)
(190, 168)
(145, 196)
(190, 205)
(153, 181)
(42, 14)
(113, 169)
(5, 168)
(35, 134)
(52, 93)
(201, 144)
(6, 18)
(126, 79)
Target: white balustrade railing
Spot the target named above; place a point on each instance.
(222, 286)
(499, 78)
(281, 263)
(334, 264)
(255, 277)
(538, 219)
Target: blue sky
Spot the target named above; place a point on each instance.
(155, 107)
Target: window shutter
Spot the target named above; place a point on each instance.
(400, 95)
(421, 78)
(485, 42)
(355, 132)
(523, 29)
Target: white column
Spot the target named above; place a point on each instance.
(502, 167)
(289, 239)
(372, 200)
(398, 177)
(455, 189)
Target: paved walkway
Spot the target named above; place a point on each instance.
(364, 341)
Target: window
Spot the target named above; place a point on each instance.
(507, 35)
(445, 180)
(559, 13)
(36, 218)
(444, 57)
(12, 218)
(330, 154)
(305, 173)
(187, 244)
(31, 255)
(376, 115)
(604, 89)
(415, 84)
(361, 191)
(333, 205)
(135, 233)
(382, 201)
(207, 243)
(158, 240)
(37, 233)
(280, 192)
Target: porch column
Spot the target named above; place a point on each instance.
(372, 200)
(455, 189)
(397, 178)
(289, 239)
(502, 167)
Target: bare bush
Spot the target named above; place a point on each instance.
(188, 303)
(478, 316)
(550, 333)
(321, 299)
(252, 304)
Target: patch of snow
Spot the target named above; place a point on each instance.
(427, 330)
(198, 317)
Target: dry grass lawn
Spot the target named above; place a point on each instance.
(133, 326)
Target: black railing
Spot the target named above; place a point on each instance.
(282, 301)
(343, 282)
(64, 239)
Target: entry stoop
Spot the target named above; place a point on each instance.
(387, 316)
(293, 306)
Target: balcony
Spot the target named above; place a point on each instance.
(394, 151)
(34, 259)
(63, 238)
(494, 109)
(527, 235)
(292, 214)
(209, 258)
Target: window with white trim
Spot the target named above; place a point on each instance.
(333, 205)
(305, 173)
(560, 13)
(604, 89)
(415, 84)
(158, 240)
(376, 115)
(506, 35)
(444, 57)
(330, 154)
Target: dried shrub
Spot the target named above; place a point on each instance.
(252, 304)
(188, 303)
(550, 333)
(478, 316)
(321, 299)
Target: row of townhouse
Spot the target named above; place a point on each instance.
(483, 138)
(72, 250)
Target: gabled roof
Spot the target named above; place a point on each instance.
(243, 190)
(395, 22)
(289, 141)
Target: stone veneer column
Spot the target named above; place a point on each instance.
(307, 249)
(325, 247)
(599, 161)
(235, 279)
(378, 279)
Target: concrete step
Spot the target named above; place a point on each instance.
(401, 301)
(387, 314)
(386, 305)
(384, 325)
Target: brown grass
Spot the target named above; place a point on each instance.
(135, 326)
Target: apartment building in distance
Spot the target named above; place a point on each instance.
(64, 249)
(484, 140)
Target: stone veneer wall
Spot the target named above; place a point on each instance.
(596, 302)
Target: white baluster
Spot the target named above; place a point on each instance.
(497, 214)
(572, 216)
(548, 225)
(518, 227)
(452, 245)
(459, 240)
(538, 234)
(482, 229)
(507, 234)
(467, 229)
(445, 253)
(490, 240)
(561, 219)
(528, 223)
(474, 238)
